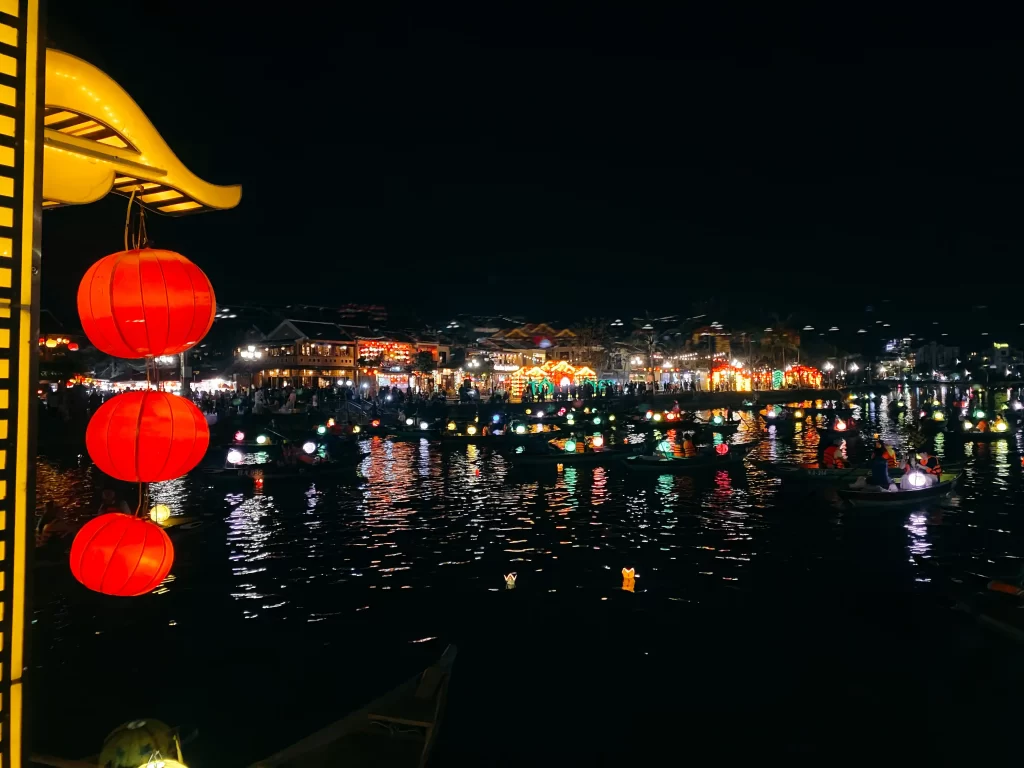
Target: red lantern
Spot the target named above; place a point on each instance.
(146, 437)
(118, 554)
(72, 347)
(721, 449)
(145, 303)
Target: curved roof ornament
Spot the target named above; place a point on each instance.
(98, 140)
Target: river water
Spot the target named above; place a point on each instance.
(761, 619)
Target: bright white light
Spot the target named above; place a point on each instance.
(424, 425)
(349, 382)
(409, 422)
(917, 479)
(341, 382)
(520, 430)
(309, 447)
(598, 441)
(827, 367)
(234, 456)
(833, 328)
(854, 367)
(261, 439)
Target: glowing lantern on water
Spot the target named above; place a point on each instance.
(840, 425)
(798, 414)
(520, 430)
(770, 414)
(968, 425)
(137, 741)
(375, 423)
(570, 446)
(73, 347)
(51, 343)
(916, 479)
(118, 554)
(409, 422)
(162, 762)
(234, 457)
(717, 420)
(938, 416)
(424, 425)
(239, 436)
(451, 426)
(496, 418)
(611, 417)
(356, 429)
(670, 416)
(309, 447)
(262, 439)
(331, 422)
(470, 430)
(721, 449)
(1000, 426)
(598, 441)
(597, 420)
(657, 417)
(528, 411)
(649, 414)
(321, 430)
(145, 303)
(979, 414)
(160, 513)
(146, 437)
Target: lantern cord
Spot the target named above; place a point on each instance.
(139, 238)
(143, 498)
(128, 219)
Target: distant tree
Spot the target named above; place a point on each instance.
(590, 342)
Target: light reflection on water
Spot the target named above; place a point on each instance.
(385, 558)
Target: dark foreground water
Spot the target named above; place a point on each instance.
(762, 620)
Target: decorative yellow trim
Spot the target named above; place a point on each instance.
(77, 169)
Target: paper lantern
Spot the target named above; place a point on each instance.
(146, 437)
(160, 513)
(118, 554)
(721, 449)
(135, 742)
(145, 303)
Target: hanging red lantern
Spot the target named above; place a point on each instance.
(118, 554)
(145, 303)
(721, 449)
(146, 437)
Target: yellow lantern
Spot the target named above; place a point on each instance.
(160, 513)
(51, 343)
(470, 430)
(451, 426)
(162, 762)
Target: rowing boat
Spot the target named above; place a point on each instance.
(681, 465)
(554, 457)
(800, 474)
(397, 729)
(975, 436)
(901, 498)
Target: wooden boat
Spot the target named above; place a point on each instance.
(554, 457)
(507, 439)
(398, 729)
(823, 475)
(277, 472)
(987, 436)
(901, 498)
(679, 465)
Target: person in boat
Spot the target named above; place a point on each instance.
(833, 456)
(982, 425)
(675, 407)
(929, 464)
(880, 470)
(890, 456)
(689, 449)
(52, 525)
(997, 421)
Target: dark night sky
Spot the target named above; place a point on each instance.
(436, 159)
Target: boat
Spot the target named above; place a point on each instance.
(553, 457)
(988, 436)
(273, 471)
(508, 438)
(878, 498)
(397, 729)
(804, 474)
(681, 465)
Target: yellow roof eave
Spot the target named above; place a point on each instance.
(78, 170)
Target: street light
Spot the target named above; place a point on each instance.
(854, 368)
